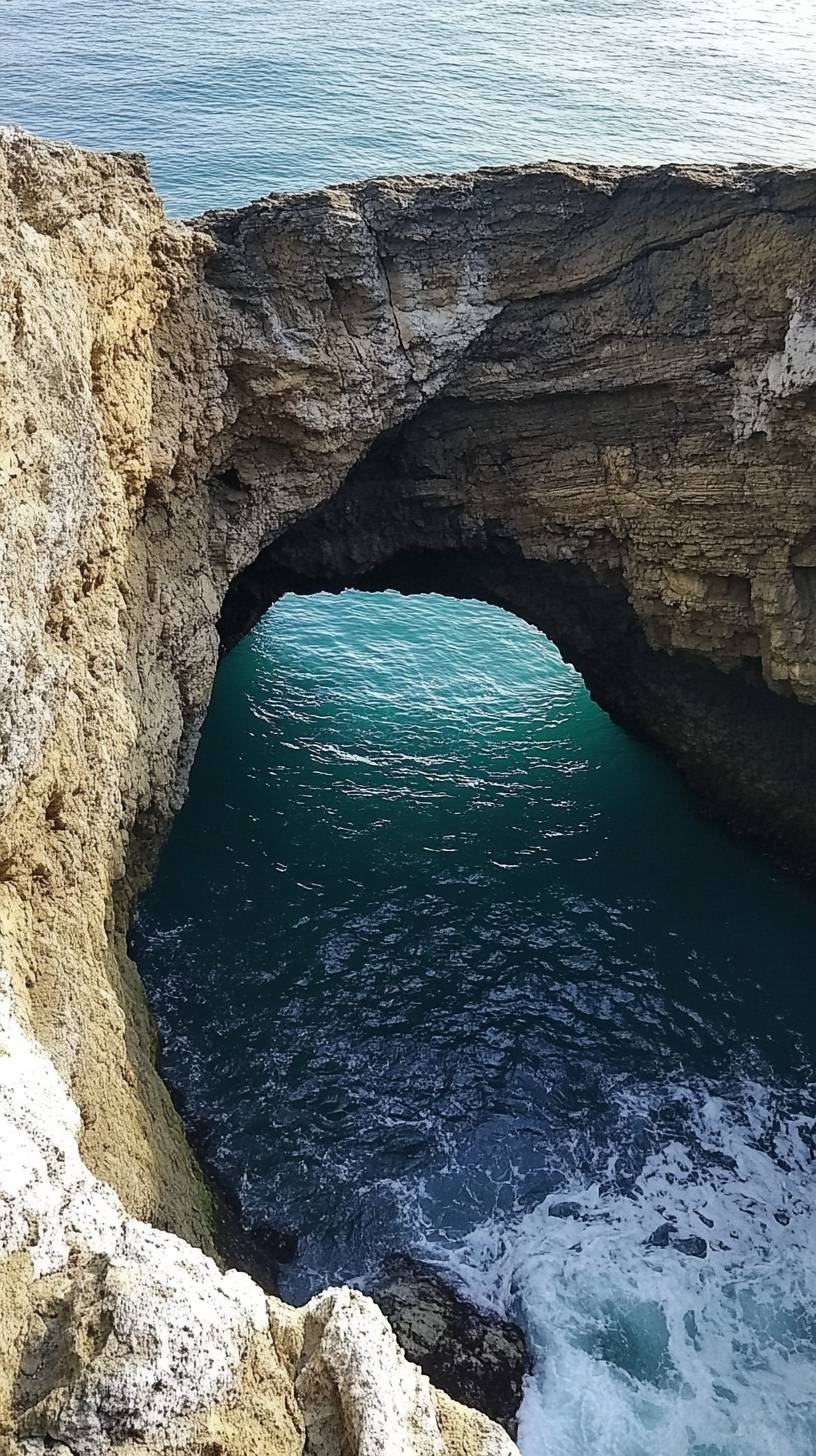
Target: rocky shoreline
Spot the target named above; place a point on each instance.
(583, 393)
(475, 1356)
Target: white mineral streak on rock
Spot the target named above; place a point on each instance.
(433, 333)
(785, 373)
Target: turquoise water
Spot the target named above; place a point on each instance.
(231, 101)
(442, 959)
(435, 946)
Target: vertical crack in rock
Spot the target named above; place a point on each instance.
(386, 278)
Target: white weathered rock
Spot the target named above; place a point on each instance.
(790, 371)
(157, 1333)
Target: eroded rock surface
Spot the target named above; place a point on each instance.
(584, 393)
(475, 1356)
(119, 1337)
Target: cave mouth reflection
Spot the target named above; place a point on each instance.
(435, 948)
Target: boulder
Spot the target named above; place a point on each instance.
(477, 1357)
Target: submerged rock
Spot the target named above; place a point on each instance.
(659, 1238)
(476, 1357)
(693, 1245)
(664, 1236)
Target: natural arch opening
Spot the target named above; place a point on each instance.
(442, 959)
(456, 501)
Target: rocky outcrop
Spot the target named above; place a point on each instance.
(116, 1336)
(478, 1358)
(620, 449)
(586, 394)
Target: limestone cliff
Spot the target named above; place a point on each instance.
(587, 394)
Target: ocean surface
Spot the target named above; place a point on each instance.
(441, 958)
(445, 961)
(229, 101)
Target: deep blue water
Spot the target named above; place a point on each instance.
(435, 946)
(435, 949)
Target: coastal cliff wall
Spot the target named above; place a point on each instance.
(586, 394)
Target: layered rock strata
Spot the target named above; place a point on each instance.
(583, 393)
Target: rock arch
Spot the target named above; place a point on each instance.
(588, 390)
(586, 393)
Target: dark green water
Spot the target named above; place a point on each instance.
(434, 946)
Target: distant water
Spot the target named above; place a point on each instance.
(441, 959)
(229, 101)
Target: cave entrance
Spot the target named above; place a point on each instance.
(432, 938)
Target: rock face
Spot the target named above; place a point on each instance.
(586, 394)
(478, 1358)
(118, 1337)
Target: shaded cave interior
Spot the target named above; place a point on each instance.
(397, 524)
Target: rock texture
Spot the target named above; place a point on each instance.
(117, 1336)
(480, 1359)
(586, 394)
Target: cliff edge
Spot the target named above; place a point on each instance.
(583, 393)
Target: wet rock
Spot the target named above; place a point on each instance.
(693, 1245)
(477, 1358)
(565, 1210)
(659, 1238)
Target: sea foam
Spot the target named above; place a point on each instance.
(645, 1338)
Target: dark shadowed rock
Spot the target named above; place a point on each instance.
(659, 1239)
(694, 1245)
(565, 1210)
(477, 1358)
